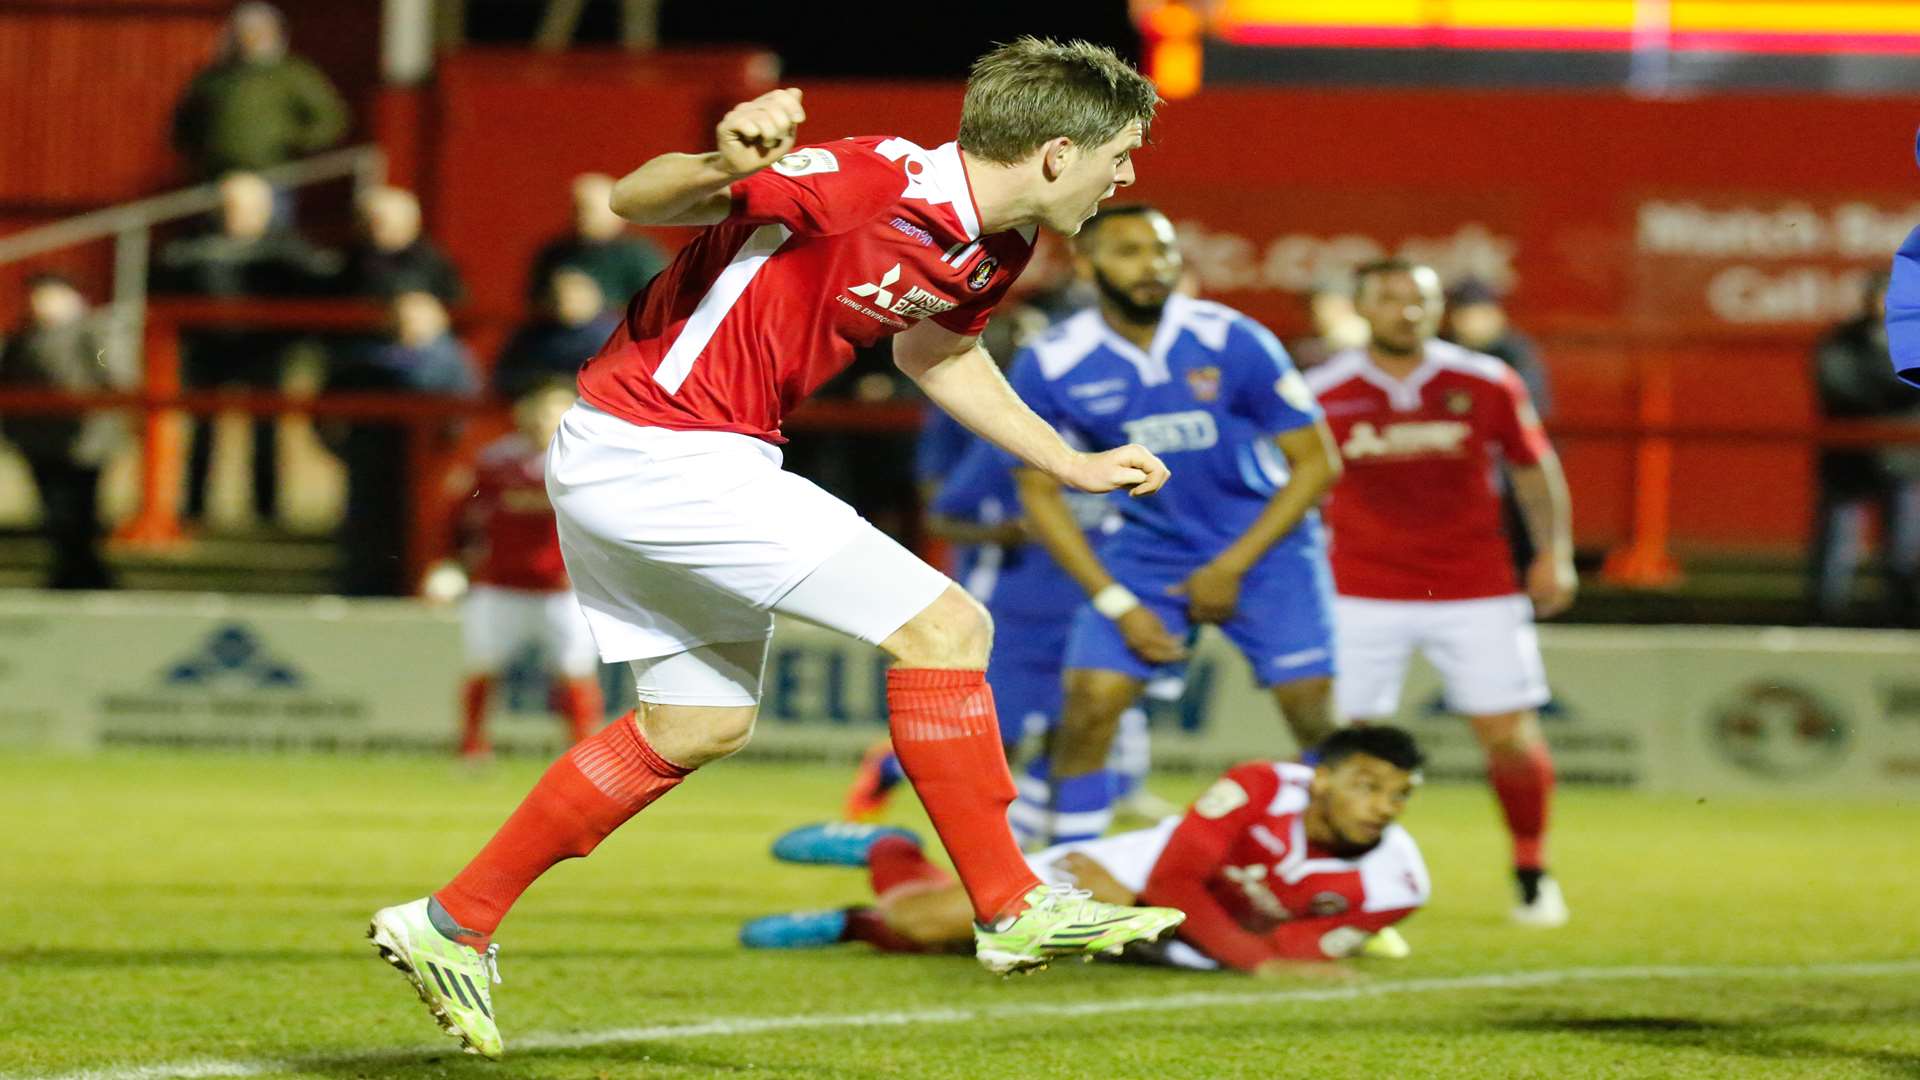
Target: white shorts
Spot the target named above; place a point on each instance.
(681, 539)
(496, 623)
(1486, 651)
(1127, 856)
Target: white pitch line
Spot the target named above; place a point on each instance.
(1205, 999)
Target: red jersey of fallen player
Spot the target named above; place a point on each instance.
(832, 247)
(1255, 889)
(511, 521)
(1416, 514)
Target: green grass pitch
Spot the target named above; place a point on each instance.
(165, 914)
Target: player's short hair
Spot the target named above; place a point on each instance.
(1084, 238)
(1031, 90)
(1380, 267)
(1388, 743)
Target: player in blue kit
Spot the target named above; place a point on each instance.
(1235, 540)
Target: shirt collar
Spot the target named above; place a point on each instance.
(948, 179)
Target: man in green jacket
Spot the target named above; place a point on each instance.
(255, 105)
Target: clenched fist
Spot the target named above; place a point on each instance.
(755, 134)
(1131, 466)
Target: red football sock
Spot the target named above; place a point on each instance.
(895, 861)
(473, 706)
(581, 705)
(866, 924)
(1524, 784)
(948, 740)
(591, 791)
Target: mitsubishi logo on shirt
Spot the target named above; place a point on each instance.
(881, 297)
(915, 303)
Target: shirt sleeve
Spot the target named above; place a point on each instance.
(1903, 310)
(819, 190)
(1515, 424)
(1195, 853)
(1265, 384)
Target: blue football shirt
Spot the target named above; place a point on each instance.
(1208, 397)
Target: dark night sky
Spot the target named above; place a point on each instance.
(896, 38)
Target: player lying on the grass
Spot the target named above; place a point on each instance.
(520, 594)
(1276, 864)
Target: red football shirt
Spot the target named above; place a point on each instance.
(832, 247)
(511, 520)
(1255, 889)
(1416, 515)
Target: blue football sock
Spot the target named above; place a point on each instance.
(1082, 806)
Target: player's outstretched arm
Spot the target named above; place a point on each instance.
(1541, 491)
(959, 376)
(692, 189)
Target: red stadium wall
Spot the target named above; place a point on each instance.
(1717, 234)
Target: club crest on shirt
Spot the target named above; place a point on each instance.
(1223, 798)
(1205, 383)
(982, 273)
(1458, 402)
(813, 159)
(1327, 903)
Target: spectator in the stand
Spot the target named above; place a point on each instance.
(570, 324)
(392, 257)
(58, 349)
(419, 356)
(599, 244)
(255, 106)
(1854, 378)
(1477, 320)
(1336, 325)
(246, 255)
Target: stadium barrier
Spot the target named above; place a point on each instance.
(1610, 460)
(1674, 709)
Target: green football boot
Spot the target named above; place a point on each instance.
(453, 979)
(1062, 921)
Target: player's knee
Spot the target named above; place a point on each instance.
(693, 735)
(1088, 720)
(1508, 734)
(952, 632)
(1307, 706)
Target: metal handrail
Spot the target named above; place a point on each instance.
(131, 226)
(366, 164)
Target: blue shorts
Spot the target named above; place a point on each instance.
(1024, 671)
(1283, 624)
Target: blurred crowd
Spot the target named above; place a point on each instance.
(258, 105)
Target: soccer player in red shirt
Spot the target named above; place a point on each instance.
(1277, 866)
(520, 594)
(683, 535)
(1420, 556)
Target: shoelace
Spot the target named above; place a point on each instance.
(490, 963)
(1067, 894)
